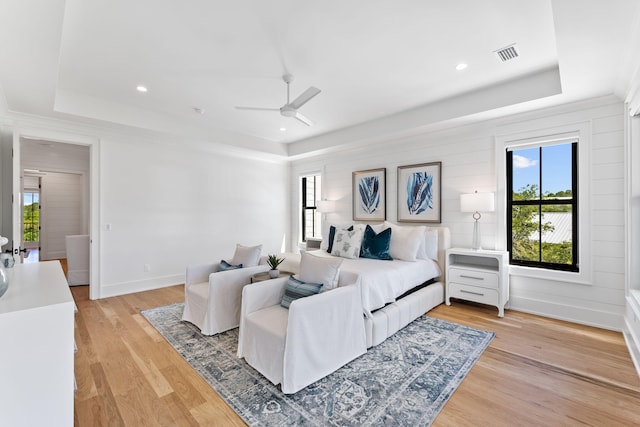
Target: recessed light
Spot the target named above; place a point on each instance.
(283, 129)
(141, 88)
(461, 66)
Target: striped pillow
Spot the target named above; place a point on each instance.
(298, 289)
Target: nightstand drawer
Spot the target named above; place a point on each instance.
(473, 293)
(475, 277)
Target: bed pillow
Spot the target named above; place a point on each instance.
(379, 228)
(224, 266)
(429, 246)
(405, 241)
(332, 235)
(296, 289)
(376, 245)
(326, 229)
(248, 256)
(346, 243)
(323, 270)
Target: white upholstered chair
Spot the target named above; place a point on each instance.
(298, 346)
(212, 297)
(77, 248)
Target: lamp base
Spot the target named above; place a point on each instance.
(475, 244)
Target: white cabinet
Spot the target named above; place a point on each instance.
(478, 275)
(36, 354)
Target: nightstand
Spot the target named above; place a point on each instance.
(478, 275)
(259, 277)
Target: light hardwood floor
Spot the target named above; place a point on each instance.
(537, 371)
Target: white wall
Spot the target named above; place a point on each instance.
(60, 212)
(469, 163)
(169, 202)
(168, 206)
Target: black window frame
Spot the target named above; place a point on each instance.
(308, 206)
(539, 203)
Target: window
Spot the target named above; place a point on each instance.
(311, 222)
(542, 206)
(31, 217)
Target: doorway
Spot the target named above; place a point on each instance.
(64, 155)
(31, 216)
(57, 176)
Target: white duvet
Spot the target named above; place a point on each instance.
(381, 282)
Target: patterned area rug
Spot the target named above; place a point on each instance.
(406, 380)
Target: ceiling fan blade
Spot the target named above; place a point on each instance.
(304, 97)
(257, 108)
(303, 119)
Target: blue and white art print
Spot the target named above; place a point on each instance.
(369, 195)
(419, 192)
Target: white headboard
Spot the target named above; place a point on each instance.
(444, 243)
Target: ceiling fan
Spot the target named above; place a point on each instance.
(290, 109)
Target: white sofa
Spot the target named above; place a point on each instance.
(77, 248)
(298, 346)
(212, 297)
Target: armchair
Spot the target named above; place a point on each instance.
(299, 346)
(212, 297)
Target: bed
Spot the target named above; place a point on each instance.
(393, 293)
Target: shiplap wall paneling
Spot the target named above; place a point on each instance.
(61, 212)
(469, 160)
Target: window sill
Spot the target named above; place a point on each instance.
(580, 278)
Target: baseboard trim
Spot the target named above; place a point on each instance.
(632, 330)
(581, 315)
(116, 289)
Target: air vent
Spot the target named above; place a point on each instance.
(507, 53)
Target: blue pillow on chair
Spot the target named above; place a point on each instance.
(224, 266)
(298, 289)
(376, 246)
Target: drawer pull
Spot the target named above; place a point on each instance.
(472, 293)
(472, 277)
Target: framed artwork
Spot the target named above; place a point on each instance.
(370, 195)
(419, 192)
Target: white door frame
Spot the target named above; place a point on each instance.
(94, 190)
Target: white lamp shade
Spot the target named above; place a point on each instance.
(325, 206)
(477, 202)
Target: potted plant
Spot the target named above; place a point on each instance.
(274, 262)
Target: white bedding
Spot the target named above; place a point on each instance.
(381, 282)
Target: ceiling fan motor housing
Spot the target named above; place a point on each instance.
(288, 111)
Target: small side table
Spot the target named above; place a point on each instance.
(478, 275)
(259, 277)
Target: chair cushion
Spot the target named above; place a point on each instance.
(271, 321)
(248, 256)
(298, 289)
(315, 269)
(224, 266)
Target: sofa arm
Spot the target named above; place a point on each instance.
(199, 273)
(256, 297)
(234, 277)
(324, 332)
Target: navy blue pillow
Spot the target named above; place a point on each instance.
(376, 246)
(224, 266)
(332, 234)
